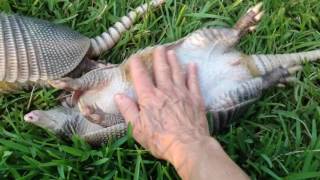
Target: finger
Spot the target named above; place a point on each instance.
(128, 108)
(140, 76)
(193, 81)
(178, 76)
(161, 68)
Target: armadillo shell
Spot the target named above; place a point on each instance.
(33, 49)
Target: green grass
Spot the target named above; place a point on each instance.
(277, 138)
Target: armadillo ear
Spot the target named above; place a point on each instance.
(108, 39)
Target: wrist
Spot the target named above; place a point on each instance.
(184, 155)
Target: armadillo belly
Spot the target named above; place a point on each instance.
(33, 49)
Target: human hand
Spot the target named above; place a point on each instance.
(170, 111)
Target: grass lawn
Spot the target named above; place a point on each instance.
(279, 137)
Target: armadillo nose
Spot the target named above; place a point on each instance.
(31, 117)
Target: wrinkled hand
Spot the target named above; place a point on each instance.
(170, 111)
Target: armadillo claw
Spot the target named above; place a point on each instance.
(294, 69)
(258, 17)
(252, 28)
(289, 80)
(280, 85)
(256, 9)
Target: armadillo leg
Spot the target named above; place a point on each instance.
(99, 117)
(224, 37)
(97, 77)
(264, 63)
(103, 136)
(249, 21)
(232, 103)
(108, 119)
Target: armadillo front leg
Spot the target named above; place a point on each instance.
(97, 77)
(99, 117)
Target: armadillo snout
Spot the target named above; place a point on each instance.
(41, 119)
(32, 117)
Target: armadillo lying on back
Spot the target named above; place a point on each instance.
(229, 80)
(33, 51)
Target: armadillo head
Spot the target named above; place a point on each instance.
(54, 119)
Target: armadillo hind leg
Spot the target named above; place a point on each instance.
(230, 105)
(105, 135)
(227, 37)
(249, 21)
(264, 63)
(223, 38)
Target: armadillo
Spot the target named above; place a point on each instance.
(229, 80)
(33, 51)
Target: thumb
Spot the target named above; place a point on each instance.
(128, 108)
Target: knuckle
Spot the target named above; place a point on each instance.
(164, 68)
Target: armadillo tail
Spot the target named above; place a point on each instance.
(266, 63)
(109, 38)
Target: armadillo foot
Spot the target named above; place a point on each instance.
(291, 79)
(292, 75)
(279, 75)
(90, 113)
(66, 83)
(70, 100)
(97, 116)
(248, 22)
